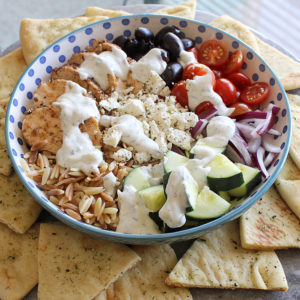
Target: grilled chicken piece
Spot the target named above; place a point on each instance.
(99, 46)
(69, 72)
(42, 129)
(78, 58)
(136, 84)
(91, 127)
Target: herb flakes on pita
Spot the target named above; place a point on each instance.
(270, 224)
(18, 262)
(217, 260)
(147, 279)
(73, 265)
(184, 9)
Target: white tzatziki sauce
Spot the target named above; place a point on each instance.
(133, 134)
(134, 215)
(152, 61)
(198, 172)
(77, 150)
(110, 183)
(99, 66)
(185, 58)
(200, 89)
(173, 211)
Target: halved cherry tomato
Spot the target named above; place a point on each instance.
(240, 109)
(180, 92)
(255, 93)
(234, 63)
(218, 73)
(226, 90)
(213, 53)
(196, 69)
(195, 52)
(203, 106)
(239, 79)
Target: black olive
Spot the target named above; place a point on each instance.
(145, 46)
(142, 33)
(188, 43)
(121, 40)
(131, 47)
(160, 35)
(173, 44)
(165, 55)
(172, 73)
(137, 56)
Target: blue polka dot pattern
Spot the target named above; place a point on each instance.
(164, 21)
(37, 81)
(23, 109)
(22, 87)
(145, 20)
(283, 113)
(272, 102)
(272, 81)
(14, 152)
(285, 128)
(249, 55)
(235, 44)
(109, 36)
(91, 42)
(198, 39)
(62, 58)
(30, 72)
(276, 119)
(279, 96)
(15, 102)
(20, 125)
(49, 69)
(183, 24)
(71, 38)
(42, 59)
(219, 35)
(276, 137)
(106, 25)
(11, 135)
(282, 146)
(262, 67)
(201, 28)
(88, 31)
(244, 66)
(20, 141)
(254, 77)
(276, 162)
(29, 95)
(56, 48)
(76, 49)
(127, 33)
(125, 22)
(11, 119)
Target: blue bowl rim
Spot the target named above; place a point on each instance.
(180, 235)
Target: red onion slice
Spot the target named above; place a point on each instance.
(269, 122)
(177, 150)
(252, 115)
(269, 158)
(208, 114)
(254, 144)
(245, 129)
(240, 146)
(268, 144)
(259, 156)
(198, 128)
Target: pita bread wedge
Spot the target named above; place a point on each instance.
(18, 262)
(147, 279)
(236, 28)
(98, 11)
(294, 152)
(12, 66)
(217, 260)
(270, 225)
(184, 9)
(75, 266)
(37, 34)
(18, 209)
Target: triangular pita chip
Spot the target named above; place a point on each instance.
(294, 101)
(37, 34)
(12, 66)
(18, 262)
(98, 11)
(184, 9)
(147, 279)
(287, 69)
(270, 224)
(18, 209)
(217, 260)
(74, 266)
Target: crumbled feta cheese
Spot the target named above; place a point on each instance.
(111, 102)
(112, 137)
(180, 138)
(156, 85)
(142, 157)
(146, 127)
(122, 155)
(162, 142)
(105, 120)
(184, 120)
(110, 184)
(154, 130)
(134, 107)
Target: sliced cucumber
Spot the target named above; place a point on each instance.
(138, 178)
(224, 175)
(192, 191)
(252, 177)
(225, 195)
(173, 160)
(208, 205)
(201, 142)
(154, 197)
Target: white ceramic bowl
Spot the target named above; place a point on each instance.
(59, 52)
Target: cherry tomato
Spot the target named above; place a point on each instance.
(226, 90)
(203, 106)
(213, 53)
(239, 79)
(234, 63)
(196, 69)
(180, 92)
(218, 73)
(255, 93)
(195, 52)
(240, 109)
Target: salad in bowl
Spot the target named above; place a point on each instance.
(153, 132)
